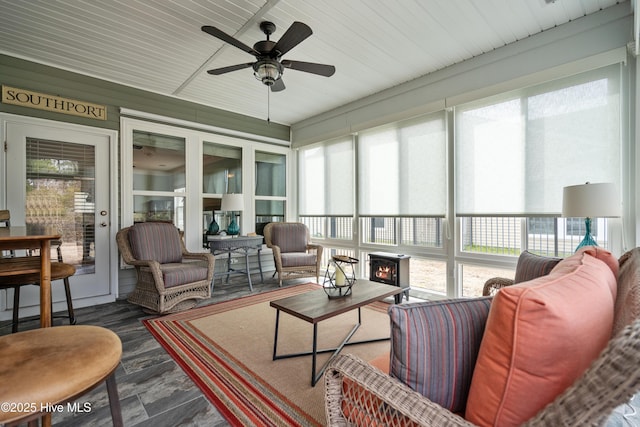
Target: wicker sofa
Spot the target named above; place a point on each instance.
(359, 394)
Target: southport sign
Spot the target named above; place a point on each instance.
(42, 101)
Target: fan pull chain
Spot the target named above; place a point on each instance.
(268, 104)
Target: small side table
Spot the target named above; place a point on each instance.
(241, 244)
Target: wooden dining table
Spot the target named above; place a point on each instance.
(17, 238)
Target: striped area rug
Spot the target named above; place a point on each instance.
(226, 349)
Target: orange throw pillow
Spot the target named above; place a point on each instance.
(540, 337)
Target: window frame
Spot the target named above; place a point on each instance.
(194, 194)
(451, 252)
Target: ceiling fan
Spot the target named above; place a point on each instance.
(269, 64)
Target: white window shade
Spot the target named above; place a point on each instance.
(402, 168)
(326, 179)
(516, 152)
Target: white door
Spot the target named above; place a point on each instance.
(58, 175)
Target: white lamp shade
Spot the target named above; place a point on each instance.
(599, 200)
(232, 202)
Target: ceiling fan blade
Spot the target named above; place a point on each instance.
(295, 34)
(310, 67)
(227, 38)
(278, 85)
(218, 71)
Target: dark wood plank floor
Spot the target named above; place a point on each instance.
(153, 389)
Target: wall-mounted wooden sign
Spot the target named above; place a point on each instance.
(42, 101)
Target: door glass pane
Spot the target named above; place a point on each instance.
(60, 193)
(270, 174)
(221, 169)
(158, 162)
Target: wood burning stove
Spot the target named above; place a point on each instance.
(391, 269)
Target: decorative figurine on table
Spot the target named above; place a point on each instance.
(339, 276)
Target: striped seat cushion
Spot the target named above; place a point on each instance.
(157, 241)
(531, 266)
(434, 346)
(298, 259)
(176, 274)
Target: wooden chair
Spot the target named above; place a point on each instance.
(59, 271)
(169, 277)
(293, 253)
(53, 366)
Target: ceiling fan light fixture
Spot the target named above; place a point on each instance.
(268, 67)
(267, 71)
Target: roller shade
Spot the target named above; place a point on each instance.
(326, 178)
(402, 168)
(515, 152)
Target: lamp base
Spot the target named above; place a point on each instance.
(233, 228)
(588, 238)
(214, 228)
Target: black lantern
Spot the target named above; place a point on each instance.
(339, 276)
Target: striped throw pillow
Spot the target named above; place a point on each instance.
(531, 266)
(434, 346)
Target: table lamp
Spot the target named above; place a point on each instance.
(599, 200)
(232, 203)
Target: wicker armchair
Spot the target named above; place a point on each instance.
(357, 393)
(170, 278)
(610, 382)
(292, 251)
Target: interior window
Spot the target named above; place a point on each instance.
(158, 178)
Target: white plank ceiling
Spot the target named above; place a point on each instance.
(157, 45)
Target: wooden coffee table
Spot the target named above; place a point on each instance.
(315, 306)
